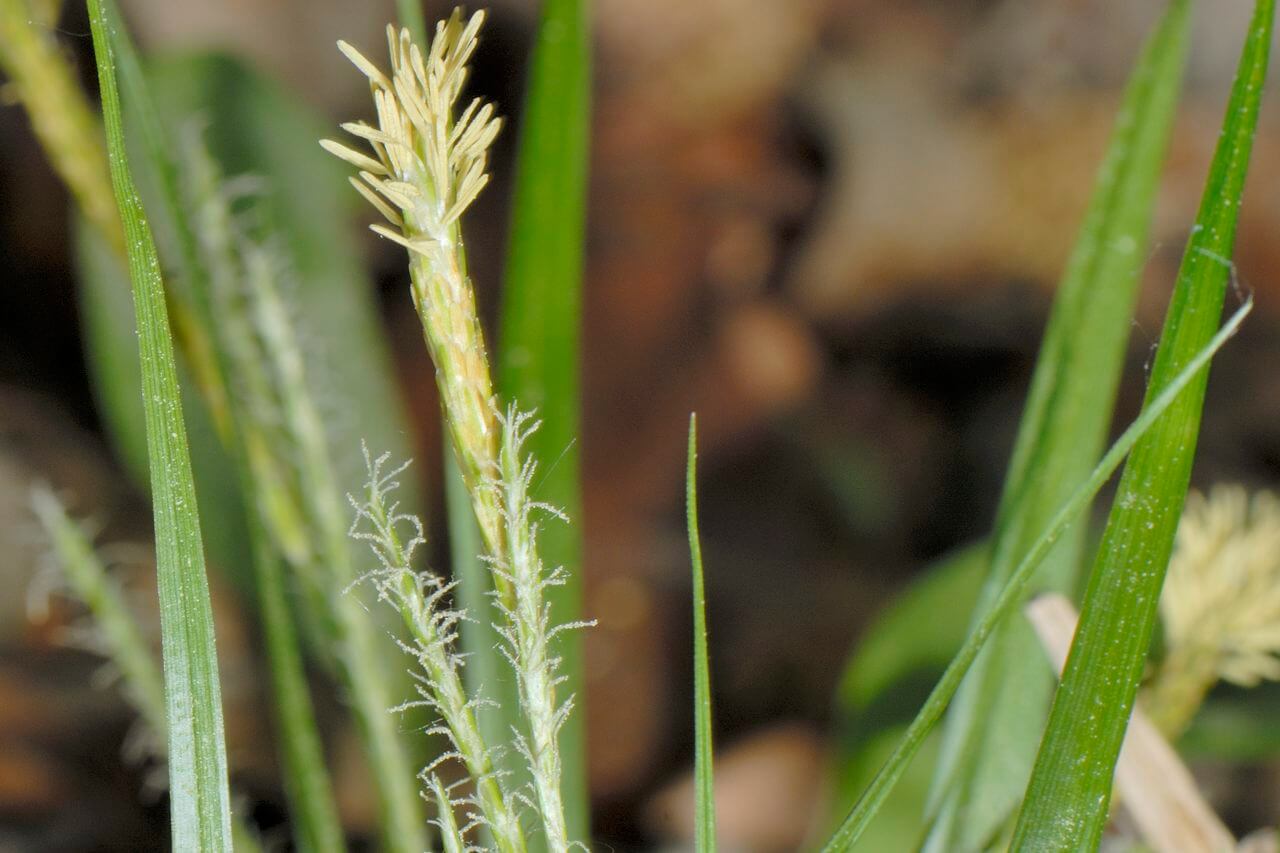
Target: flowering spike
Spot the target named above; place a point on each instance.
(1221, 602)
(432, 166)
(424, 171)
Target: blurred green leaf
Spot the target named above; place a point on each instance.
(895, 647)
(538, 354)
(317, 828)
(887, 677)
(1066, 804)
(994, 726)
(409, 14)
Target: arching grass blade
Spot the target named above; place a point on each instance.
(1066, 806)
(869, 803)
(199, 799)
(994, 727)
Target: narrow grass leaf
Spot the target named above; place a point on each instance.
(355, 636)
(209, 422)
(703, 765)
(873, 797)
(538, 357)
(1159, 794)
(1067, 799)
(199, 799)
(994, 726)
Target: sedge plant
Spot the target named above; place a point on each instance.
(511, 775)
(250, 373)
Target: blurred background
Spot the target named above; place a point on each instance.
(832, 227)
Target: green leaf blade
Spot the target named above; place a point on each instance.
(860, 816)
(994, 727)
(258, 128)
(1066, 804)
(538, 357)
(703, 765)
(199, 798)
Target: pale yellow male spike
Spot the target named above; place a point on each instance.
(1221, 602)
(424, 170)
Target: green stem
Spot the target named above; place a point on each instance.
(704, 778)
(302, 753)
